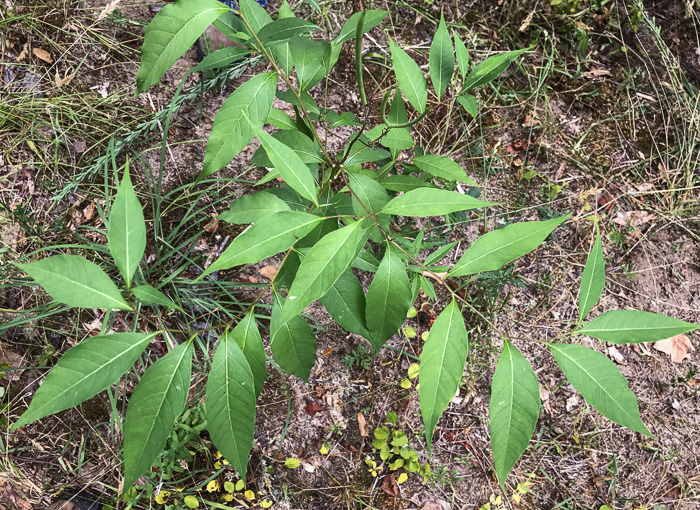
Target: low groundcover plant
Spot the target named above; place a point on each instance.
(328, 214)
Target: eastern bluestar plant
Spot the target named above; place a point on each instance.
(321, 218)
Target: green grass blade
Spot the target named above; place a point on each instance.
(442, 364)
(83, 371)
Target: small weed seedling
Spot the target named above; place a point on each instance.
(328, 213)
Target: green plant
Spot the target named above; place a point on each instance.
(322, 217)
(361, 357)
(395, 453)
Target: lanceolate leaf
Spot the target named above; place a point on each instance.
(443, 167)
(292, 343)
(513, 409)
(230, 404)
(256, 15)
(322, 266)
(441, 59)
(310, 60)
(469, 103)
(372, 19)
(74, 281)
(156, 403)
(251, 208)
(441, 367)
(633, 326)
(431, 202)
(495, 249)
(153, 296)
(410, 78)
(170, 34)
(462, 55)
(231, 132)
(307, 150)
(126, 236)
(388, 298)
(283, 29)
(85, 370)
(247, 337)
(345, 301)
(268, 236)
(290, 166)
(221, 58)
(601, 384)
(372, 195)
(490, 69)
(592, 280)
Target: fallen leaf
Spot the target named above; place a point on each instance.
(79, 146)
(7, 357)
(616, 355)
(65, 80)
(268, 272)
(597, 73)
(364, 428)
(636, 218)
(389, 486)
(312, 408)
(676, 347)
(42, 54)
(253, 279)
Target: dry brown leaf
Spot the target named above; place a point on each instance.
(108, 9)
(364, 428)
(268, 272)
(60, 82)
(597, 73)
(43, 55)
(435, 276)
(616, 355)
(676, 347)
(14, 360)
(636, 218)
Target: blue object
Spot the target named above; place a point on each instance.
(230, 3)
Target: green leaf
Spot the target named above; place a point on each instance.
(345, 301)
(310, 60)
(83, 371)
(370, 193)
(280, 119)
(267, 237)
(442, 365)
(322, 266)
(247, 337)
(231, 132)
(388, 298)
(290, 166)
(392, 138)
(601, 384)
(404, 183)
(283, 29)
(441, 59)
(431, 202)
(592, 280)
(254, 14)
(250, 208)
(230, 404)
(126, 235)
(409, 77)
(308, 151)
(469, 103)
(364, 154)
(372, 19)
(221, 58)
(495, 249)
(292, 343)
(513, 409)
(152, 296)
(74, 281)
(443, 167)
(170, 34)
(462, 55)
(156, 403)
(490, 69)
(633, 326)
